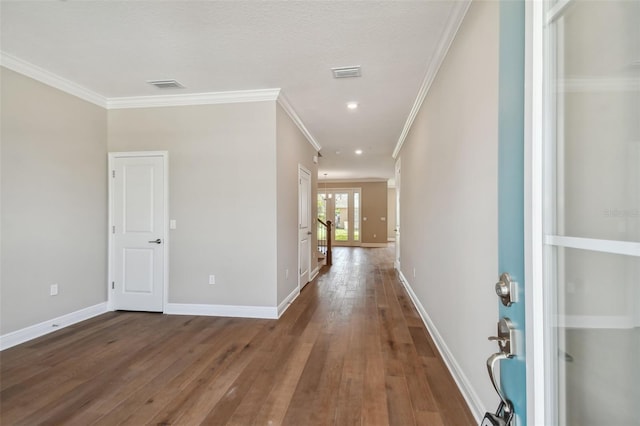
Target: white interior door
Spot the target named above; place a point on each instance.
(304, 225)
(138, 236)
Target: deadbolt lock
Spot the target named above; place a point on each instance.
(507, 290)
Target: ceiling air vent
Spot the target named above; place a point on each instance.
(346, 72)
(166, 84)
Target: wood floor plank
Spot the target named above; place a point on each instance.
(350, 350)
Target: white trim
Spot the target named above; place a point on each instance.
(314, 273)
(284, 305)
(165, 238)
(34, 331)
(616, 322)
(473, 401)
(286, 106)
(556, 11)
(599, 84)
(50, 79)
(391, 239)
(534, 254)
(211, 98)
(328, 181)
(449, 34)
(628, 248)
(373, 245)
(266, 312)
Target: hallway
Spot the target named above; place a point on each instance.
(350, 350)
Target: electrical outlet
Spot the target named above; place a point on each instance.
(212, 279)
(53, 290)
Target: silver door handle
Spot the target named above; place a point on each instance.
(158, 241)
(309, 233)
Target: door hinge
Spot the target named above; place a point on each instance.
(113, 173)
(113, 229)
(113, 285)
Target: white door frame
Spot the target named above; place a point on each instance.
(165, 238)
(537, 340)
(302, 169)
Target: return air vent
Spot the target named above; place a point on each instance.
(346, 72)
(166, 84)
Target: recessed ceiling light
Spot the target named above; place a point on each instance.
(358, 151)
(352, 105)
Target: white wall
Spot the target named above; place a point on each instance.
(54, 202)
(222, 193)
(292, 150)
(449, 201)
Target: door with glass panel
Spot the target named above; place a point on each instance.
(342, 207)
(592, 209)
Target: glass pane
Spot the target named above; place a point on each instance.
(341, 216)
(322, 207)
(356, 216)
(598, 126)
(598, 335)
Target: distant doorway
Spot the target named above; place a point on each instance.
(342, 207)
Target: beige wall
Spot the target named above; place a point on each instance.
(292, 150)
(54, 202)
(222, 193)
(374, 207)
(448, 193)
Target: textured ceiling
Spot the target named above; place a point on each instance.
(114, 47)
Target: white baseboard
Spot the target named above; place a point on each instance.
(314, 273)
(284, 305)
(267, 312)
(370, 245)
(29, 333)
(471, 397)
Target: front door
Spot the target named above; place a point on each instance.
(304, 225)
(511, 196)
(138, 206)
(592, 224)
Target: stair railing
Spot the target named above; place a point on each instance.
(324, 240)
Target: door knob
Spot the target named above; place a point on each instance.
(158, 241)
(506, 289)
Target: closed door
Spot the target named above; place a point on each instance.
(138, 234)
(304, 225)
(343, 209)
(592, 223)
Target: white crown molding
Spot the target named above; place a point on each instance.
(210, 98)
(365, 180)
(284, 103)
(451, 29)
(34, 331)
(43, 76)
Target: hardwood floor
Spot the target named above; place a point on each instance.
(351, 350)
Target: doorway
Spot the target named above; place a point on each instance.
(342, 206)
(138, 210)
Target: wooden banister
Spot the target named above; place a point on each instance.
(324, 240)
